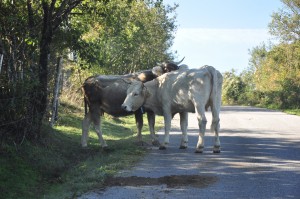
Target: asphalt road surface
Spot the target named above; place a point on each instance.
(260, 158)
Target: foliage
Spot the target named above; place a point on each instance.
(122, 37)
(106, 36)
(26, 30)
(233, 88)
(286, 22)
(276, 78)
(273, 78)
(57, 167)
(281, 63)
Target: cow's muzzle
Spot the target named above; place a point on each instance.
(126, 108)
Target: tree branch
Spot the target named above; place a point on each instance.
(65, 9)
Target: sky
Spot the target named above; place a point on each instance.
(220, 33)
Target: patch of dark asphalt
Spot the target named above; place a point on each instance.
(198, 181)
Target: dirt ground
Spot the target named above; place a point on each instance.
(199, 181)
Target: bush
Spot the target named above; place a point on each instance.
(233, 88)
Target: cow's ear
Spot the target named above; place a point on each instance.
(183, 67)
(128, 81)
(157, 70)
(148, 94)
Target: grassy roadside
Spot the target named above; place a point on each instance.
(57, 166)
(288, 111)
(292, 111)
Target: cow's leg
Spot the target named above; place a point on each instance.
(167, 118)
(95, 115)
(183, 126)
(200, 110)
(215, 127)
(139, 124)
(85, 129)
(151, 122)
(99, 133)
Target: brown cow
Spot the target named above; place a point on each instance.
(106, 93)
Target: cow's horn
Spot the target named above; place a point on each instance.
(178, 61)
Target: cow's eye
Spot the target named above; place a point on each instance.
(135, 94)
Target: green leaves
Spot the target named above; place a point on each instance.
(233, 88)
(125, 37)
(107, 36)
(285, 23)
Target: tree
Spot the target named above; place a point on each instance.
(111, 36)
(123, 37)
(286, 22)
(27, 30)
(233, 88)
(54, 14)
(273, 78)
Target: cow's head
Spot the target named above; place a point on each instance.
(136, 95)
(166, 67)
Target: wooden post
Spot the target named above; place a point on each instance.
(56, 92)
(1, 59)
(1, 55)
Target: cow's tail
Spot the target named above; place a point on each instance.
(85, 101)
(85, 106)
(215, 96)
(216, 89)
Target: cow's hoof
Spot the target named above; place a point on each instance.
(155, 143)
(106, 149)
(162, 148)
(216, 151)
(199, 150)
(182, 147)
(141, 143)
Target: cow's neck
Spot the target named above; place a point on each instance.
(151, 101)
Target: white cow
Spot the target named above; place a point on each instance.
(182, 91)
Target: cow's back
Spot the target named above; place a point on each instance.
(107, 93)
(179, 89)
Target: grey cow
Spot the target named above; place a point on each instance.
(106, 93)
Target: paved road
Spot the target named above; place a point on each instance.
(260, 158)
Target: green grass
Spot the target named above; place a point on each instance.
(292, 111)
(57, 167)
(288, 111)
(16, 176)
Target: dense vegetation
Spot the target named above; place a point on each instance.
(273, 77)
(108, 37)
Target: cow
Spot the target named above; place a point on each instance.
(106, 93)
(181, 91)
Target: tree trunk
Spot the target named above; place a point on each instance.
(51, 21)
(42, 91)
